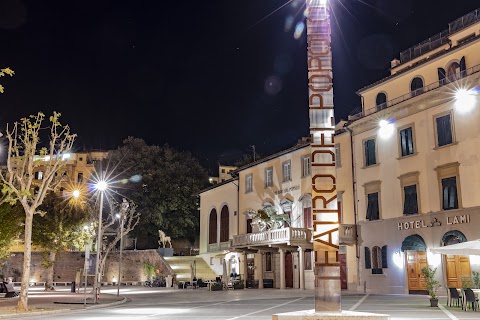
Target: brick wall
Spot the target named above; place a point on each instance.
(68, 263)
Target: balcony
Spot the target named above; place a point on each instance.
(288, 236)
(214, 247)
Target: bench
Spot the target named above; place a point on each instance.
(268, 283)
(8, 289)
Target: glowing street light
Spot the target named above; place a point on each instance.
(464, 100)
(102, 187)
(76, 193)
(386, 129)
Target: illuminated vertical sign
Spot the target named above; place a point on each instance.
(322, 127)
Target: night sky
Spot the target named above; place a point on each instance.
(212, 77)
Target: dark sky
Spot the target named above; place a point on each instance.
(196, 74)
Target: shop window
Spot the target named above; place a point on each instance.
(444, 130)
(449, 193)
(406, 141)
(372, 207)
(410, 203)
(381, 101)
(370, 152)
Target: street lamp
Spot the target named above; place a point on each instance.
(85, 266)
(76, 193)
(100, 186)
(121, 216)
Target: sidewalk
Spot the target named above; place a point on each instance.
(61, 300)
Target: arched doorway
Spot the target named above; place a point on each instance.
(457, 268)
(416, 254)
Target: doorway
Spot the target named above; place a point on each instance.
(288, 270)
(343, 271)
(416, 261)
(458, 269)
(250, 281)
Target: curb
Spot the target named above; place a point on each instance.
(28, 314)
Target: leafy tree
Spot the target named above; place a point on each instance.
(162, 182)
(3, 72)
(11, 226)
(59, 229)
(24, 156)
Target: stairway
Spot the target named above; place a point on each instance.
(181, 266)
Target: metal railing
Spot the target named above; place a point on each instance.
(448, 79)
(284, 235)
(441, 38)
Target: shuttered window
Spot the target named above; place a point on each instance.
(444, 130)
(449, 193)
(372, 207)
(212, 232)
(406, 141)
(410, 204)
(370, 156)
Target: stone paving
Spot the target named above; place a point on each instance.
(250, 304)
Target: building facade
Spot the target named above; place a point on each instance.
(280, 258)
(410, 164)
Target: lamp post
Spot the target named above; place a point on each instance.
(85, 266)
(100, 186)
(121, 215)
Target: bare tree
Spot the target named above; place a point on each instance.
(25, 156)
(127, 212)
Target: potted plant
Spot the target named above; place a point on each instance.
(476, 279)
(239, 285)
(216, 286)
(431, 284)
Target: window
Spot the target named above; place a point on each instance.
(268, 177)
(376, 259)
(307, 218)
(370, 152)
(381, 101)
(416, 87)
(338, 159)
(249, 226)
(372, 207)
(287, 171)
(453, 72)
(212, 232)
(444, 130)
(305, 166)
(224, 224)
(308, 260)
(223, 170)
(410, 204)
(406, 141)
(80, 159)
(268, 261)
(80, 177)
(39, 175)
(449, 193)
(248, 183)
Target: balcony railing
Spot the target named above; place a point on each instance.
(441, 38)
(284, 235)
(357, 115)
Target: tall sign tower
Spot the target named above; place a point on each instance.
(324, 193)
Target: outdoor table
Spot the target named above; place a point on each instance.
(460, 291)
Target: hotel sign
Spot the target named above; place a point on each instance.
(286, 190)
(419, 224)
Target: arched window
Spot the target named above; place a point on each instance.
(453, 72)
(307, 211)
(381, 101)
(416, 87)
(224, 224)
(212, 229)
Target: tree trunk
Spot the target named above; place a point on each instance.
(22, 305)
(49, 279)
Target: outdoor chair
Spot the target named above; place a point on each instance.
(454, 295)
(470, 297)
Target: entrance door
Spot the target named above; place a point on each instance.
(288, 270)
(250, 271)
(458, 267)
(343, 270)
(416, 261)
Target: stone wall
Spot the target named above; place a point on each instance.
(68, 263)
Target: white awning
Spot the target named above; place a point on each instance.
(469, 248)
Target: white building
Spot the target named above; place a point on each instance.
(410, 164)
(284, 255)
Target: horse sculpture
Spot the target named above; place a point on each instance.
(164, 239)
(268, 219)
